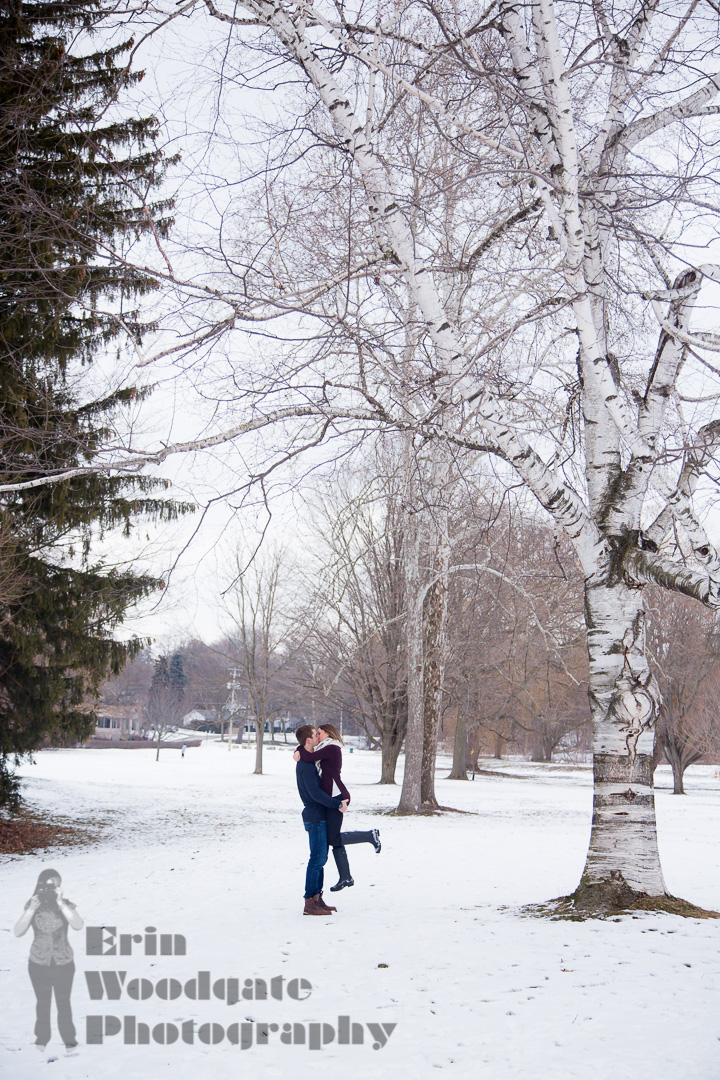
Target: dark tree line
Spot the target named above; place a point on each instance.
(67, 175)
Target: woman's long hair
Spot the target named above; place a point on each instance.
(332, 732)
(48, 898)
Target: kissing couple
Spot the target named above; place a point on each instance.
(325, 801)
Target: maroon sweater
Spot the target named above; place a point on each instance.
(330, 758)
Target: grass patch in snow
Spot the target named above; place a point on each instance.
(563, 907)
(30, 831)
(435, 811)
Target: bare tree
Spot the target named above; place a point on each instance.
(206, 670)
(517, 668)
(685, 647)
(255, 602)
(166, 698)
(132, 685)
(357, 633)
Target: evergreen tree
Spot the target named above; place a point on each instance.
(161, 675)
(176, 676)
(165, 700)
(69, 175)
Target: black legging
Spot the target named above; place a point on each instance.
(338, 841)
(45, 978)
(337, 838)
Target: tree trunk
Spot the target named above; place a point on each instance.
(678, 776)
(680, 753)
(623, 860)
(474, 750)
(410, 799)
(543, 746)
(259, 734)
(460, 749)
(390, 755)
(675, 757)
(498, 746)
(435, 650)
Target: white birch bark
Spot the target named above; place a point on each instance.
(623, 858)
(623, 855)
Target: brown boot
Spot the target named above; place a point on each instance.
(328, 907)
(313, 907)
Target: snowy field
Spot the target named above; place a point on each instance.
(431, 939)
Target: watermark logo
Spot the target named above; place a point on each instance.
(119, 985)
(105, 941)
(313, 1036)
(52, 969)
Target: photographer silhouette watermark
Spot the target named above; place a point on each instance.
(51, 963)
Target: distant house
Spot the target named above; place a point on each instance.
(118, 722)
(196, 717)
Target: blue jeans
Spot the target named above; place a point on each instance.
(317, 834)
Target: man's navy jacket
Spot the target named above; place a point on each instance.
(316, 802)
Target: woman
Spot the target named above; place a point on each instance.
(51, 965)
(328, 755)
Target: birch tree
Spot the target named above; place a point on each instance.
(555, 299)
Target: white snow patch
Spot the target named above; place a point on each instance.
(199, 846)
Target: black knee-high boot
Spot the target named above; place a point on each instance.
(341, 861)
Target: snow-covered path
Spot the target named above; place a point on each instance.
(430, 939)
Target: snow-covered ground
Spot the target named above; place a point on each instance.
(431, 938)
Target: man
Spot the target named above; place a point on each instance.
(315, 806)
